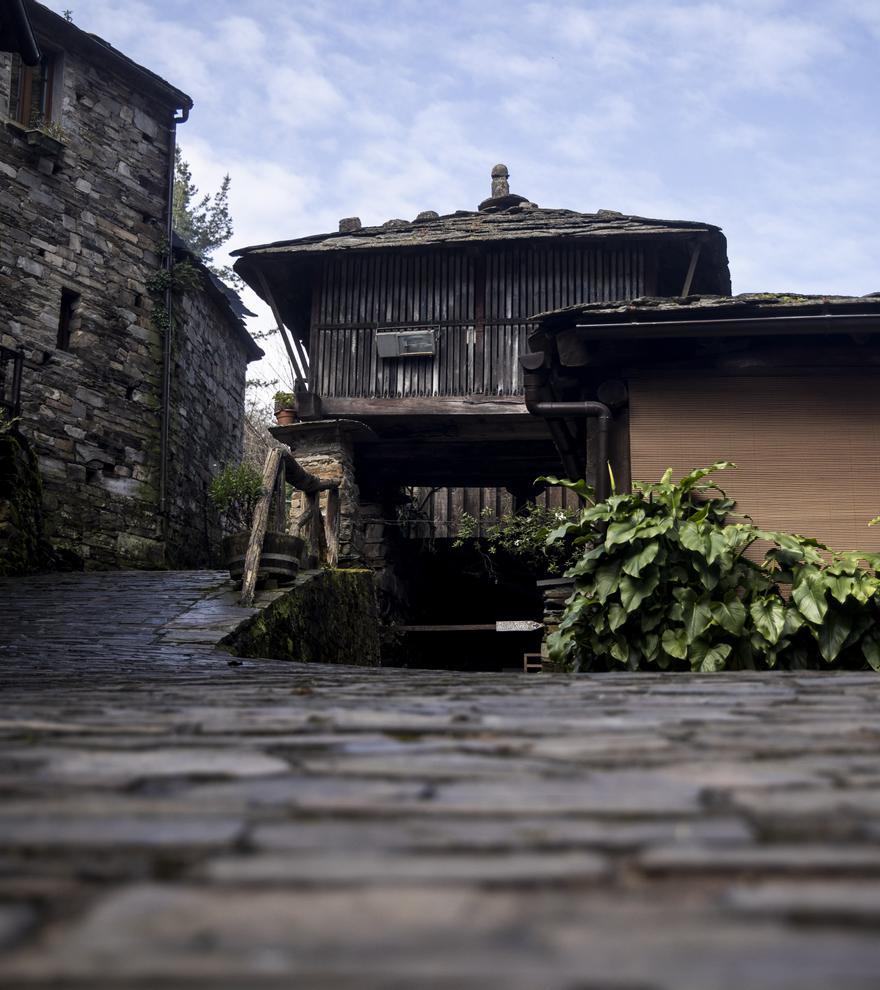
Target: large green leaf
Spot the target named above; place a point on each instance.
(606, 580)
(625, 530)
(650, 644)
(871, 650)
(730, 614)
(715, 546)
(768, 614)
(650, 620)
(842, 586)
(655, 526)
(633, 591)
(638, 561)
(674, 642)
(707, 658)
(697, 617)
(588, 562)
(620, 650)
(616, 616)
(691, 537)
(580, 487)
(832, 634)
(808, 593)
(690, 480)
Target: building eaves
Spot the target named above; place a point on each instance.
(16, 34)
(46, 23)
(521, 222)
(698, 316)
(652, 308)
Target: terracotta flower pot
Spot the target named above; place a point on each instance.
(285, 417)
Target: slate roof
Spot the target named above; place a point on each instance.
(67, 34)
(745, 305)
(520, 222)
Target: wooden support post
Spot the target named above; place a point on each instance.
(695, 257)
(258, 529)
(332, 526)
(317, 539)
(300, 370)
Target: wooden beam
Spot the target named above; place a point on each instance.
(299, 363)
(258, 529)
(502, 626)
(815, 324)
(470, 405)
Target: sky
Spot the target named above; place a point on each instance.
(759, 116)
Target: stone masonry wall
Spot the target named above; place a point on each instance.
(209, 363)
(88, 215)
(327, 453)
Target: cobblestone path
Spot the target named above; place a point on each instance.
(170, 820)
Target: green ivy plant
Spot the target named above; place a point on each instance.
(662, 581)
(234, 493)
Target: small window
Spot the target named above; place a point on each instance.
(30, 96)
(67, 318)
(399, 342)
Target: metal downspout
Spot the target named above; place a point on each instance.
(589, 410)
(166, 343)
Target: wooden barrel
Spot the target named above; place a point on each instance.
(279, 559)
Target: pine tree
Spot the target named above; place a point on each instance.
(205, 224)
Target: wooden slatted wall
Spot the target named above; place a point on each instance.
(479, 307)
(807, 449)
(446, 506)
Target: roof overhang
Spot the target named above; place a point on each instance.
(16, 34)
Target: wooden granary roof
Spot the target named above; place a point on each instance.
(519, 222)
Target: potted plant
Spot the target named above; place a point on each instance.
(285, 408)
(235, 493)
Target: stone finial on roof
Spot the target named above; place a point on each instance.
(349, 224)
(501, 198)
(500, 185)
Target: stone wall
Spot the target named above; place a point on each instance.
(327, 617)
(22, 548)
(209, 362)
(87, 215)
(325, 450)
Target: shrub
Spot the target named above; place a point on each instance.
(521, 534)
(662, 580)
(234, 493)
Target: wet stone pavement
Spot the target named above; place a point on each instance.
(170, 820)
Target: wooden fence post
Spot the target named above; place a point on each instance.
(258, 529)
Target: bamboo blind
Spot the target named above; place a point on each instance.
(807, 449)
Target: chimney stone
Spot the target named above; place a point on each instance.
(349, 224)
(500, 185)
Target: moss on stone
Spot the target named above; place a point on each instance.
(327, 617)
(22, 547)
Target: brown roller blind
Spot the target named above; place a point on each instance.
(807, 449)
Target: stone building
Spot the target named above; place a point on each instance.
(133, 385)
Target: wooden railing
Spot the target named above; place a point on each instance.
(320, 534)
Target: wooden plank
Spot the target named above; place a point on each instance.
(502, 626)
(258, 529)
(459, 405)
(480, 322)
